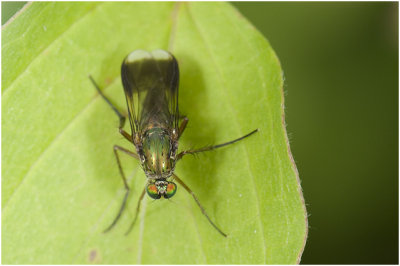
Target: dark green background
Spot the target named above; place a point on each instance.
(341, 80)
(341, 84)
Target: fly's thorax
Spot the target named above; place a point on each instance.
(157, 153)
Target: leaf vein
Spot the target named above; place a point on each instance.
(54, 140)
(223, 80)
(49, 46)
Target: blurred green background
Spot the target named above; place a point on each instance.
(341, 84)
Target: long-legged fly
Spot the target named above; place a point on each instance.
(150, 81)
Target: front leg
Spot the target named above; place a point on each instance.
(198, 204)
(137, 211)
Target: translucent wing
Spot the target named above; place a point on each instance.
(150, 81)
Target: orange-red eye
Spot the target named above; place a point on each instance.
(171, 190)
(152, 191)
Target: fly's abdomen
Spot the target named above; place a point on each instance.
(156, 153)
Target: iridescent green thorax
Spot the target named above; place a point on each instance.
(156, 153)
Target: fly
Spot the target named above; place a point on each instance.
(150, 81)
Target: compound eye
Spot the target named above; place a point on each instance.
(152, 191)
(171, 190)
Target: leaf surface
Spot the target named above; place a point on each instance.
(60, 182)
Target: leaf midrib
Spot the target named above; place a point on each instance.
(223, 82)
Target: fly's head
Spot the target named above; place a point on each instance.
(157, 154)
(161, 188)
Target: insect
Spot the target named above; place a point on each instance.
(150, 81)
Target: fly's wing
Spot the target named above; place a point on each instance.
(150, 81)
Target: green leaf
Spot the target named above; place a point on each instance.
(60, 182)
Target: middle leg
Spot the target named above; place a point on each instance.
(116, 149)
(209, 148)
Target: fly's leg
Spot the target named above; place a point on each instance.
(116, 149)
(198, 203)
(137, 211)
(183, 126)
(118, 113)
(120, 116)
(209, 148)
